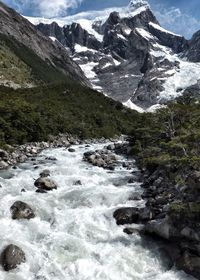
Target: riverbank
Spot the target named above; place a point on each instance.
(171, 211)
(12, 155)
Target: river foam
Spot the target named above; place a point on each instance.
(74, 235)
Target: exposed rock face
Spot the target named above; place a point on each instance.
(21, 210)
(192, 53)
(12, 256)
(173, 41)
(15, 26)
(130, 57)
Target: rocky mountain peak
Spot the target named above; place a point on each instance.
(130, 57)
(136, 4)
(114, 18)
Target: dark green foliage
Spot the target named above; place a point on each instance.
(171, 136)
(33, 114)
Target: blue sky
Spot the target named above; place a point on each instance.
(180, 16)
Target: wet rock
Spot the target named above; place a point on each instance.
(131, 231)
(111, 167)
(51, 158)
(110, 147)
(71, 150)
(45, 173)
(40, 191)
(77, 183)
(45, 184)
(12, 256)
(190, 264)
(131, 180)
(127, 215)
(21, 210)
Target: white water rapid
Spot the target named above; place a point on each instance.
(74, 235)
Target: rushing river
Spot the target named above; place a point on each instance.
(74, 235)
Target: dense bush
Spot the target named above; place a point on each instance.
(33, 114)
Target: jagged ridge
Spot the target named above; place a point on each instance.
(129, 56)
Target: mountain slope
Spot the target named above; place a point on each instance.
(128, 55)
(43, 92)
(31, 55)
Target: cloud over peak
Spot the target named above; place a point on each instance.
(46, 8)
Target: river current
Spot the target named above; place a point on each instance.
(74, 235)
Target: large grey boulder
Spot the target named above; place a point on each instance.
(12, 256)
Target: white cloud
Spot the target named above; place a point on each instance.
(46, 8)
(56, 7)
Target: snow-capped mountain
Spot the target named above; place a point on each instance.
(127, 55)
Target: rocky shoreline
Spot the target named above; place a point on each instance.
(170, 213)
(12, 155)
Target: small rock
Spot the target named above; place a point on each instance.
(51, 158)
(21, 210)
(131, 231)
(45, 173)
(111, 167)
(23, 190)
(71, 150)
(12, 256)
(77, 183)
(111, 147)
(45, 184)
(40, 191)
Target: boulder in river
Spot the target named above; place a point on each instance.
(126, 215)
(11, 257)
(71, 150)
(46, 184)
(45, 173)
(21, 210)
(77, 183)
